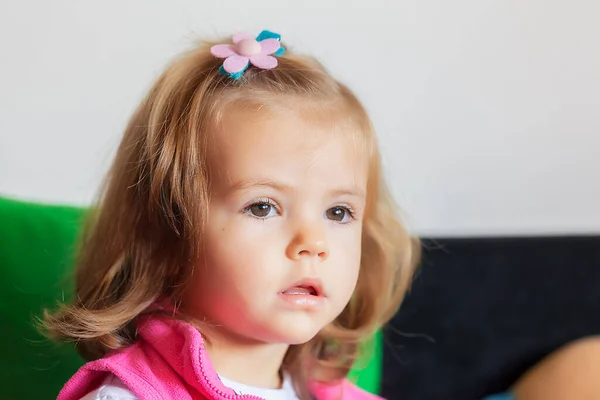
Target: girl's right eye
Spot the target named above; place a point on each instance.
(261, 209)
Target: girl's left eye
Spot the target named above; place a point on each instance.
(339, 214)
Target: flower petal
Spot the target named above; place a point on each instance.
(222, 50)
(263, 61)
(269, 46)
(238, 37)
(235, 63)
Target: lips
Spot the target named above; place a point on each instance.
(306, 295)
(301, 290)
(306, 287)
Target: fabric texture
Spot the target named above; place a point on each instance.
(482, 311)
(246, 50)
(111, 389)
(286, 392)
(114, 389)
(501, 396)
(37, 243)
(169, 361)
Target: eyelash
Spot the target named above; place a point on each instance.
(349, 210)
(247, 209)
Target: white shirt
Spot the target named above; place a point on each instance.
(113, 389)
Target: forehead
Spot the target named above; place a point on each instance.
(284, 144)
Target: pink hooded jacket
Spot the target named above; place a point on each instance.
(169, 362)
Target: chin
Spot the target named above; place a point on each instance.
(297, 334)
(295, 340)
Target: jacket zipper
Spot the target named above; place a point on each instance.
(216, 392)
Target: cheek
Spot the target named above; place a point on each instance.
(353, 269)
(230, 232)
(345, 260)
(238, 250)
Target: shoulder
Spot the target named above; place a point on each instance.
(131, 364)
(570, 372)
(111, 389)
(344, 390)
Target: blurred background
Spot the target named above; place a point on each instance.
(488, 110)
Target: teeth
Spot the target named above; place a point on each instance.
(300, 290)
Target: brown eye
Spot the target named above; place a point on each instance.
(339, 214)
(260, 210)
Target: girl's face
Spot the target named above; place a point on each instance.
(282, 243)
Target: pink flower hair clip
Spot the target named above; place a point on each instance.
(247, 50)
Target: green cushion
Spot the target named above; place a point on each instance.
(368, 368)
(36, 248)
(37, 243)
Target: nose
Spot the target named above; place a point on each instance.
(309, 241)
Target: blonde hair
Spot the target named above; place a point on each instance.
(140, 243)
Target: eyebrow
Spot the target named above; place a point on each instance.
(283, 187)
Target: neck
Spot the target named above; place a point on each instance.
(251, 363)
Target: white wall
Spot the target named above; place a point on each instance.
(488, 111)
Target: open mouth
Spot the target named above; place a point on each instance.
(306, 287)
(306, 295)
(302, 290)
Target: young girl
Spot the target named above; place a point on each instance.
(245, 244)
